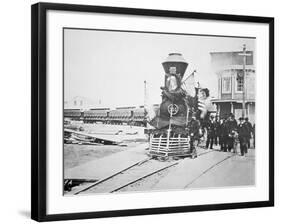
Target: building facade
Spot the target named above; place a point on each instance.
(228, 67)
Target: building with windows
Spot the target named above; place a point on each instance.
(228, 67)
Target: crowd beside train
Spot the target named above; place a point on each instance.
(226, 132)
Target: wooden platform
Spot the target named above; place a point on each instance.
(101, 168)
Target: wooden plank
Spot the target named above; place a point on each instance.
(102, 137)
(173, 145)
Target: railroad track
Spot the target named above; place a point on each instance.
(207, 170)
(129, 176)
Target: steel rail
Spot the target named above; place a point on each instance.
(208, 169)
(145, 176)
(111, 176)
(152, 173)
(126, 169)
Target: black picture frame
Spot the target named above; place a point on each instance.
(39, 108)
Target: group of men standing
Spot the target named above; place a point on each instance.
(226, 132)
(229, 132)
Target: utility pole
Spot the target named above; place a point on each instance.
(244, 54)
(145, 93)
(145, 102)
(244, 77)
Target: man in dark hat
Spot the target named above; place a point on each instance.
(242, 135)
(254, 135)
(210, 132)
(222, 133)
(250, 130)
(231, 126)
(217, 124)
(193, 127)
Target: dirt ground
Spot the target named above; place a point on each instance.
(236, 171)
(75, 155)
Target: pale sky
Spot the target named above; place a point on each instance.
(111, 67)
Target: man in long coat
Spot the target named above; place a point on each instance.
(231, 126)
(250, 130)
(242, 135)
(211, 126)
(193, 127)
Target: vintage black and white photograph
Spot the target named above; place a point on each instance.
(150, 112)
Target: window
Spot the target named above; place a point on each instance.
(239, 81)
(226, 85)
(239, 85)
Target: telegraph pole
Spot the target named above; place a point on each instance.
(145, 93)
(244, 77)
(145, 102)
(244, 54)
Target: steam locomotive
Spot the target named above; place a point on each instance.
(170, 133)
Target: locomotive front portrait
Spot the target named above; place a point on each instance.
(171, 135)
(148, 111)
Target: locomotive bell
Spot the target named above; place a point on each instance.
(175, 63)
